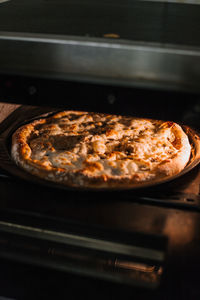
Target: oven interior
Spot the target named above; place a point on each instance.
(143, 242)
(139, 238)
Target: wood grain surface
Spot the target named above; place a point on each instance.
(6, 109)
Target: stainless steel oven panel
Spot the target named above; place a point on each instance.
(100, 60)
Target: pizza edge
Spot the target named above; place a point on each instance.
(179, 161)
(21, 153)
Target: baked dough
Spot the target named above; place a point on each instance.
(95, 150)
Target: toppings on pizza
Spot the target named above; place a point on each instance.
(100, 150)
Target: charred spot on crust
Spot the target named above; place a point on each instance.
(126, 121)
(63, 142)
(73, 116)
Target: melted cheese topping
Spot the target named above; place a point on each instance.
(102, 145)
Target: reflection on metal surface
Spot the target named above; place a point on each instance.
(138, 271)
(101, 60)
(2, 1)
(111, 35)
(81, 255)
(136, 266)
(180, 230)
(84, 241)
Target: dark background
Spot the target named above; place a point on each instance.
(174, 23)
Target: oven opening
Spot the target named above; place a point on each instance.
(130, 237)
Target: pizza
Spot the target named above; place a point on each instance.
(96, 150)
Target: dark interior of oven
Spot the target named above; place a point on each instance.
(158, 223)
(137, 243)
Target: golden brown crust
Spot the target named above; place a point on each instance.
(177, 162)
(98, 150)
